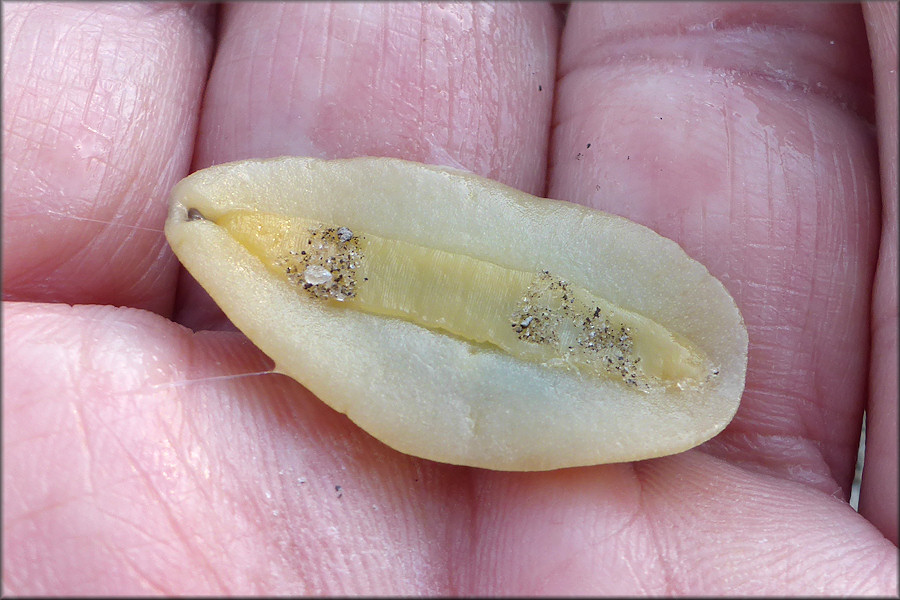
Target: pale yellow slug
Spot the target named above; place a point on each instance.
(460, 320)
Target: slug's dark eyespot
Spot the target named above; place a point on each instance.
(195, 215)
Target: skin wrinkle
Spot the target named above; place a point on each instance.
(641, 517)
(174, 440)
(666, 587)
(669, 546)
(324, 53)
(636, 575)
(457, 109)
(153, 543)
(481, 508)
(165, 508)
(422, 70)
(266, 458)
(460, 579)
(293, 93)
(481, 76)
(85, 446)
(230, 541)
(755, 41)
(328, 41)
(144, 578)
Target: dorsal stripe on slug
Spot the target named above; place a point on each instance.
(532, 316)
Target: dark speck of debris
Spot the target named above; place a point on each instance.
(578, 156)
(540, 88)
(589, 145)
(660, 118)
(339, 491)
(628, 157)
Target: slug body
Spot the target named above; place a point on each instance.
(440, 311)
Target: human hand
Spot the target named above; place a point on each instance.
(139, 457)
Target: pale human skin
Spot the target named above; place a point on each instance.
(133, 463)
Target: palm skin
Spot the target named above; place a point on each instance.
(134, 460)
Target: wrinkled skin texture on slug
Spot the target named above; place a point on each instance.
(132, 466)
